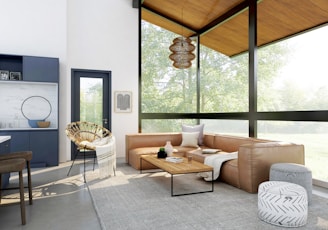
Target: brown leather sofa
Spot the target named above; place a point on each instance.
(255, 156)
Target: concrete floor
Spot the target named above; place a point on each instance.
(59, 201)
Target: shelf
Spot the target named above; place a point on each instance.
(11, 82)
(29, 96)
(11, 63)
(28, 129)
(13, 96)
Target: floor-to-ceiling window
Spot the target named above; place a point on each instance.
(291, 80)
(171, 97)
(296, 81)
(164, 89)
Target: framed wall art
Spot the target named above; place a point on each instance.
(4, 75)
(123, 101)
(15, 76)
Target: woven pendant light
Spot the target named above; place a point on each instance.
(182, 52)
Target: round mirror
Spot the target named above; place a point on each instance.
(36, 108)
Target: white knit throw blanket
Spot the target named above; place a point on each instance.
(216, 160)
(106, 157)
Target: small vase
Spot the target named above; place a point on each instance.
(168, 148)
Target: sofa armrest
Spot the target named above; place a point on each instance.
(255, 160)
(139, 140)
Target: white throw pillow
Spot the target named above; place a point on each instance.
(190, 139)
(196, 128)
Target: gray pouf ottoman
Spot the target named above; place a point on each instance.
(293, 173)
(282, 203)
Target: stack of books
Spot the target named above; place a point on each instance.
(211, 151)
(174, 159)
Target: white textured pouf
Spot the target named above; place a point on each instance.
(293, 173)
(282, 203)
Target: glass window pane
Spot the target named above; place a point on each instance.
(229, 127)
(164, 88)
(292, 74)
(313, 135)
(91, 99)
(223, 82)
(164, 125)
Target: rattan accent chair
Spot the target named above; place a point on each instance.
(84, 134)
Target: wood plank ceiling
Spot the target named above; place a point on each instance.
(223, 24)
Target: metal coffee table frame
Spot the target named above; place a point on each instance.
(142, 158)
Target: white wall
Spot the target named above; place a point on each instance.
(33, 27)
(103, 34)
(84, 34)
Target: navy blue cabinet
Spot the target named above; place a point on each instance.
(31, 68)
(11, 63)
(43, 142)
(44, 145)
(40, 69)
(19, 140)
(5, 148)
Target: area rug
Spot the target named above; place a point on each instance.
(131, 200)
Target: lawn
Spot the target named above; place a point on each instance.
(316, 150)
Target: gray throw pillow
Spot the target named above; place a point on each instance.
(196, 128)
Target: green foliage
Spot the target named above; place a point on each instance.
(91, 104)
(164, 88)
(224, 82)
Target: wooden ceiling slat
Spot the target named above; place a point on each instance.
(166, 24)
(231, 37)
(277, 19)
(194, 13)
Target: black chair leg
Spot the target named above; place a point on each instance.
(77, 152)
(94, 161)
(84, 165)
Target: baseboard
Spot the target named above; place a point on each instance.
(320, 183)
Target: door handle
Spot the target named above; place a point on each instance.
(105, 120)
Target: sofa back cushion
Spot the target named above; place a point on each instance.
(231, 143)
(152, 140)
(208, 140)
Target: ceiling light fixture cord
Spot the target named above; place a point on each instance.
(182, 50)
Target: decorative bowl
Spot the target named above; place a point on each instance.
(33, 123)
(43, 124)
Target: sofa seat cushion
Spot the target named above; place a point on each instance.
(134, 157)
(198, 155)
(183, 149)
(229, 173)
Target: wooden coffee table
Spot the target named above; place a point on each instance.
(178, 168)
